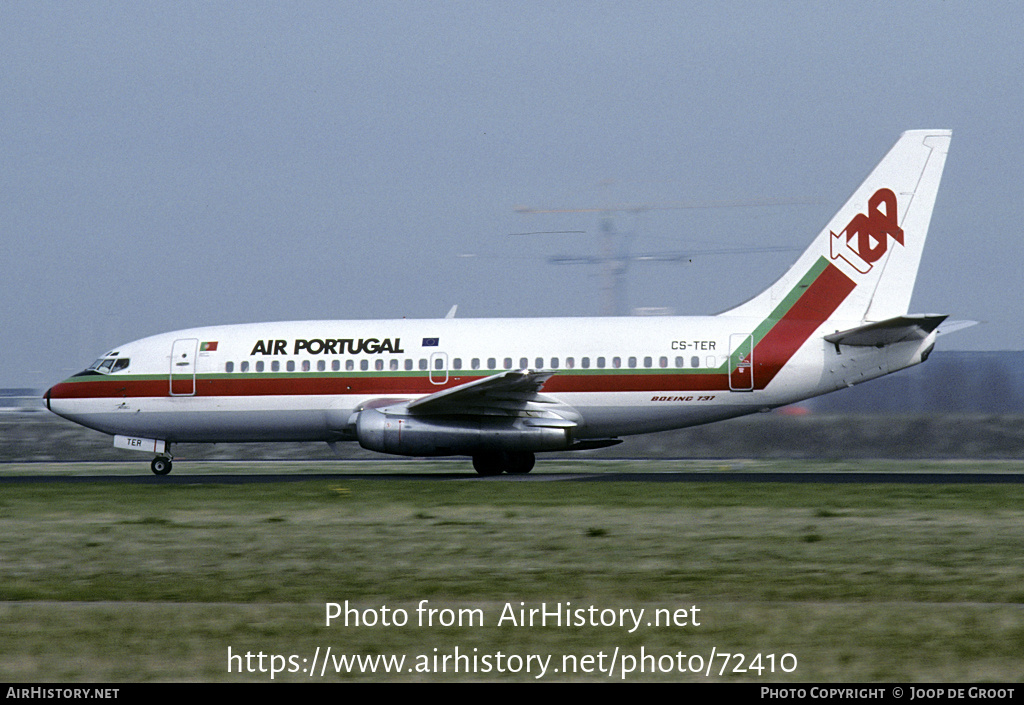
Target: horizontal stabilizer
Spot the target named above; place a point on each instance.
(954, 326)
(893, 330)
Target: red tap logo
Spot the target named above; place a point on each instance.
(866, 238)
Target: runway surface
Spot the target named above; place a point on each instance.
(902, 478)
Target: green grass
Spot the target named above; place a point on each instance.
(860, 582)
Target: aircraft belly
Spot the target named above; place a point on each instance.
(212, 419)
(608, 415)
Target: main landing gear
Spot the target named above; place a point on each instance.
(161, 465)
(513, 463)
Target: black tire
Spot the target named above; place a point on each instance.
(160, 466)
(519, 463)
(491, 464)
(488, 464)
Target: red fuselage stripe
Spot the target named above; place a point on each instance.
(309, 386)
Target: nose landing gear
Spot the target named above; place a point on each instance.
(161, 464)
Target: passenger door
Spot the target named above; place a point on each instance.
(183, 367)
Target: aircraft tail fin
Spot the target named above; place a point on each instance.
(862, 266)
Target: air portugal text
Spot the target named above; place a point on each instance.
(329, 346)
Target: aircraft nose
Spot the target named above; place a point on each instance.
(55, 398)
(69, 400)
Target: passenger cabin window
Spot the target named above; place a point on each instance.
(229, 367)
(244, 366)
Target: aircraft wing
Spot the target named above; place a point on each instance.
(892, 330)
(512, 393)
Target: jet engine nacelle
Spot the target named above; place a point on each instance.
(406, 434)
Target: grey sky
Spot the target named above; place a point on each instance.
(175, 164)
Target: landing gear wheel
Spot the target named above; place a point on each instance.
(161, 466)
(519, 463)
(487, 464)
(491, 464)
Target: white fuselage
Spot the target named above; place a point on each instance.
(304, 380)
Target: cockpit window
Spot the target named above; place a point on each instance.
(107, 365)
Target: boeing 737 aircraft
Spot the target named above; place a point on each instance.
(501, 390)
